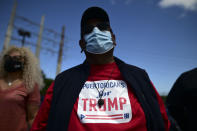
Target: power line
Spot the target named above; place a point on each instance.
(27, 20)
(38, 25)
(36, 34)
(33, 44)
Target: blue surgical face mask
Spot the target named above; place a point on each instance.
(98, 42)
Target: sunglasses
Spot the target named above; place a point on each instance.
(102, 26)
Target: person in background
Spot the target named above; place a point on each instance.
(20, 81)
(181, 101)
(104, 93)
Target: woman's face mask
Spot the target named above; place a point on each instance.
(13, 63)
(98, 42)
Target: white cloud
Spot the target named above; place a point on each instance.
(186, 4)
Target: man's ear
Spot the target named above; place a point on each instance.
(113, 38)
(82, 44)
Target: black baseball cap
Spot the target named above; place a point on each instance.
(92, 13)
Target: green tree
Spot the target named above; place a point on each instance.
(47, 83)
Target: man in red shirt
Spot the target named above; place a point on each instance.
(103, 93)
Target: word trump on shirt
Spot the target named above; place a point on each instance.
(115, 104)
(116, 107)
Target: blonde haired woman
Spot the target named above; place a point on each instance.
(20, 80)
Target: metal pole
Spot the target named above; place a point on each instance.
(60, 52)
(23, 41)
(10, 27)
(40, 38)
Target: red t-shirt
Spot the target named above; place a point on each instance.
(121, 110)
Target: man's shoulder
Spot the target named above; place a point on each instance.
(69, 72)
(127, 66)
(190, 73)
(135, 68)
(138, 72)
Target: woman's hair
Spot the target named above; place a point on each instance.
(31, 73)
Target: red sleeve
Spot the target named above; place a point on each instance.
(162, 110)
(40, 121)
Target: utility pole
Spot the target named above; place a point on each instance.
(10, 27)
(59, 62)
(40, 38)
(23, 33)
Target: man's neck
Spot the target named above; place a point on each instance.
(100, 61)
(100, 58)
